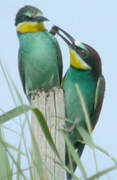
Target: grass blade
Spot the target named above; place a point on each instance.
(5, 169)
(14, 113)
(19, 161)
(75, 157)
(101, 173)
(46, 131)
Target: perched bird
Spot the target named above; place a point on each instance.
(86, 71)
(40, 59)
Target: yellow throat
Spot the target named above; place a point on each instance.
(77, 62)
(30, 27)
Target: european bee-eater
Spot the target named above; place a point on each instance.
(86, 71)
(40, 60)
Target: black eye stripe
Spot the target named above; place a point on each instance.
(78, 48)
(23, 18)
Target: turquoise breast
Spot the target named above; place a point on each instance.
(38, 58)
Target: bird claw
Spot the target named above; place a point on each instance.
(32, 94)
(70, 129)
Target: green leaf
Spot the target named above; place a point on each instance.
(8, 83)
(75, 157)
(25, 108)
(84, 108)
(19, 161)
(14, 113)
(106, 153)
(11, 147)
(46, 131)
(87, 119)
(101, 173)
(36, 158)
(86, 137)
(14, 162)
(5, 169)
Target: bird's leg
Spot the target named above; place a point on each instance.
(32, 93)
(70, 129)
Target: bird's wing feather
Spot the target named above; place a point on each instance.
(99, 95)
(59, 57)
(21, 70)
(60, 62)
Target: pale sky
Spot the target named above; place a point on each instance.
(92, 22)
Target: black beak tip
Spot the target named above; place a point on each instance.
(41, 18)
(54, 30)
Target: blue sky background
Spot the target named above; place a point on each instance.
(92, 22)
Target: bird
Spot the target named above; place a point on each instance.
(85, 71)
(40, 58)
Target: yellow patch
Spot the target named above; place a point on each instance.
(31, 27)
(76, 61)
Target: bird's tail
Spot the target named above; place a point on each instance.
(70, 163)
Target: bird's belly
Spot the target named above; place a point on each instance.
(41, 78)
(39, 56)
(74, 109)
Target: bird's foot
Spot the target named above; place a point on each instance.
(71, 128)
(32, 94)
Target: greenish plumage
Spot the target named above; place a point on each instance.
(40, 60)
(89, 88)
(92, 86)
(87, 83)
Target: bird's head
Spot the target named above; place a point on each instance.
(82, 56)
(30, 19)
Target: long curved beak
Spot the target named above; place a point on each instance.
(70, 40)
(76, 59)
(41, 19)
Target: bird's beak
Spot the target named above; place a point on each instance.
(70, 40)
(41, 19)
(76, 60)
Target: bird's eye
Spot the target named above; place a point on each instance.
(24, 17)
(83, 53)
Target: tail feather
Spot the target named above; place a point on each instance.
(69, 159)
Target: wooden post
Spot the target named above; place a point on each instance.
(52, 106)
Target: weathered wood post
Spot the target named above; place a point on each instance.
(52, 106)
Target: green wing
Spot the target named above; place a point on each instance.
(21, 70)
(59, 55)
(60, 62)
(99, 96)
